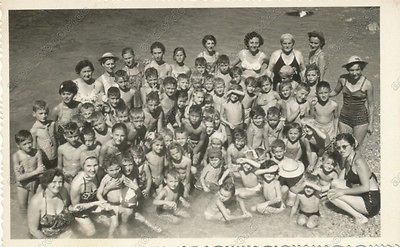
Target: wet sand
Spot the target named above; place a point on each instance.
(46, 45)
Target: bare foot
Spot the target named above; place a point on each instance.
(253, 208)
(361, 220)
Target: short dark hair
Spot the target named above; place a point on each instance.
(323, 84)
(68, 86)
(157, 45)
(22, 135)
(113, 91)
(119, 126)
(82, 64)
(208, 37)
(257, 110)
(251, 35)
(150, 72)
(48, 177)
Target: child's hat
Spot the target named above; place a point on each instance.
(108, 55)
(214, 153)
(268, 166)
(290, 168)
(355, 59)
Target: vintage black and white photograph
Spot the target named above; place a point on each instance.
(195, 123)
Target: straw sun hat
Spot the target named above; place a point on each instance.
(355, 59)
(290, 168)
(108, 55)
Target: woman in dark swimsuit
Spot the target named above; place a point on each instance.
(356, 115)
(48, 215)
(83, 195)
(357, 190)
(286, 56)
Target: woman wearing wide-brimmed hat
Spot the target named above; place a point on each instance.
(107, 79)
(286, 56)
(356, 115)
(317, 56)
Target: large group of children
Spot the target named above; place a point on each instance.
(168, 130)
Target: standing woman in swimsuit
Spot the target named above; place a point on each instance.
(317, 55)
(48, 215)
(286, 56)
(83, 195)
(357, 190)
(251, 59)
(356, 115)
(88, 88)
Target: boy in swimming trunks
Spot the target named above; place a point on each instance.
(138, 132)
(208, 84)
(218, 208)
(170, 200)
(325, 111)
(117, 146)
(27, 165)
(219, 94)
(168, 97)
(249, 97)
(200, 65)
(183, 83)
(128, 94)
(196, 132)
(120, 199)
(274, 126)
(233, 111)
(212, 171)
(152, 83)
(326, 171)
(114, 101)
(101, 129)
(44, 134)
(298, 107)
(308, 204)
(257, 130)
(271, 189)
(182, 164)
(247, 172)
(267, 97)
(91, 147)
(178, 111)
(69, 154)
(157, 162)
(181, 137)
(63, 112)
(153, 113)
(223, 70)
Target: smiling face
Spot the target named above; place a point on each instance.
(123, 117)
(240, 143)
(90, 167)
(194, 118)
(129, 59)
(127, 167)
(182, 102)
(209, 45)
(328, 165)
(214, 162)
(216, 143)
(26, 145)
(87, 113)
(152, 81)
(286, 92)
(109, 65)
(67, 97)
(293, 134)
(258, 120)
(355, 71)
(250, 89)
(157, 54)
(344, 148)
(219, 89)
(315, 43)
(266, 86)
(287, 45)
(172, 182)
(123, 84)
(209, 85)
(158, 146)
(269, 177)
(56, 185)
(99, 125)
(198, 98)
(254, 44)
(152, 105)
(168, 140)
(223, 68)
(181, 138)
(170, 90)
(224, 195)
(176, 154)
(323, 94)
(301, 95)
(86, 73)
(233, 97)
(183, 83)
(308, 190)
(113, 100)
(119, 136)
(278, 153)
(209, 127)
(201, 68)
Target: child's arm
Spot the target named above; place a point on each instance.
(223, 177)
(202, 179)
(250, 136)
(188, 169)
(160, 121)
(60, 159)
(266, 139)
(103, 153)
(295, 207)
(291, 116)
(159, 200)
(34, 138)
(100, 190)
(184, 202)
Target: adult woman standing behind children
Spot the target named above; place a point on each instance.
(48, 215)
(317, 55)
(251, 59)
(358, 100)
(107, 79)
(286, 56)
(210, 54)
(357, 190)
(88, 88)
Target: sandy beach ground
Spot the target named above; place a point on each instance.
(46, 45)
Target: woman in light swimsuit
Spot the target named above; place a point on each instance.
(356, 115)
(251, 59)
(317, 55)
(357, 190)
(48, 215)
(88, 88)
(286, 56)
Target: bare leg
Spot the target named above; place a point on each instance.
(344, 128)
(312, 221)
(245, 193)
(23, 196)
(360, 131)
(353, 205)
(141, 219)
(113, 226)
(86, 226)
(301, 220)
(125, 214)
